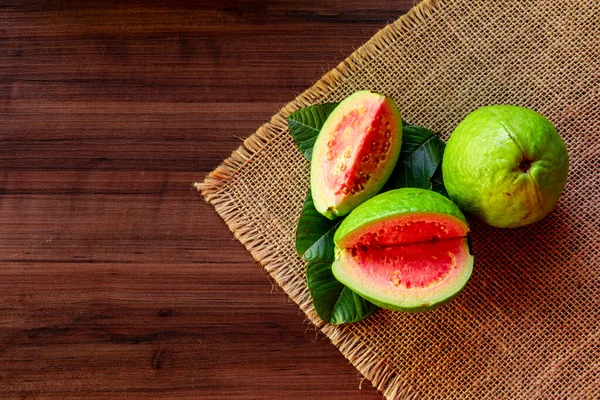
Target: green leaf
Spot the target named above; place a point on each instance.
(420, 156)
(314, 234)
(306, 123)
(351, 308)
(322, 249)
(437, 180)
(333, 301)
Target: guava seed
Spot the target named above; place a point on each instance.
(396, 281)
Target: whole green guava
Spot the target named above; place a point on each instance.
(506, 165)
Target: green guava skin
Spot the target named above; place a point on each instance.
(506, 165)
(389, 205)
(322, 205)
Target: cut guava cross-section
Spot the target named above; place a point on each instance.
(406, 260)
(355, 152)
(411, 277)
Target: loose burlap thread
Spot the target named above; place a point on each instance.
(527, 326)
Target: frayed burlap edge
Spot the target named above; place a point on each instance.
(367, 362)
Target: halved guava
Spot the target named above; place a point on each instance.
(355, 152)
(404, 250)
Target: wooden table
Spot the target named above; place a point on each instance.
(116, 280)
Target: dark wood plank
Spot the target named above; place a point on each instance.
(116, 280)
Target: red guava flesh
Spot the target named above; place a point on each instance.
(355, 153)
(415, 265)
(411, 262)
(355, 149)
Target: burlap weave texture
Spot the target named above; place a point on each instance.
(528, 324)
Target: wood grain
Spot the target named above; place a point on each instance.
(116, 280)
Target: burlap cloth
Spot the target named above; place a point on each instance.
(528, 324)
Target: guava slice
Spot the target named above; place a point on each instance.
(355, 152)
(404, 250)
